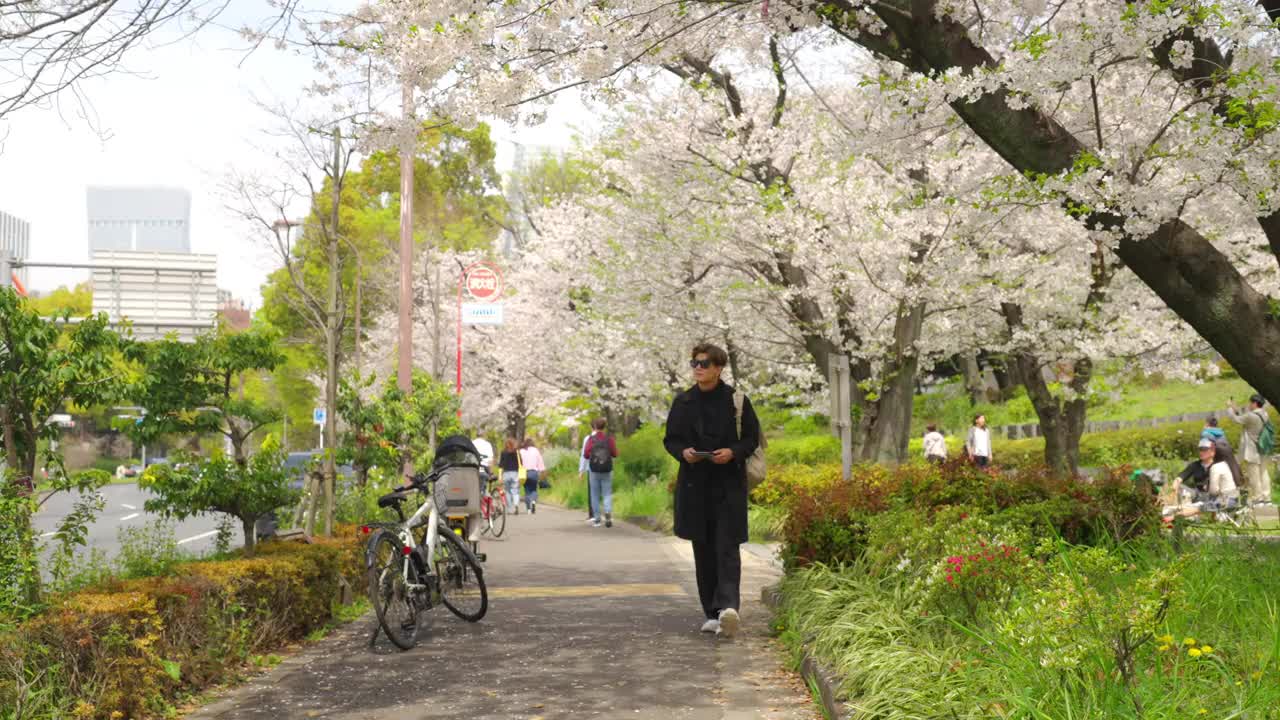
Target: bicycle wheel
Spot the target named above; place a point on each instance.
(462, 587)
(498, 516)
(397, 609)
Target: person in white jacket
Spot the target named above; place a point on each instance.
(978, 445)
(935, 445)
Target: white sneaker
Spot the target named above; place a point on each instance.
(591, 520)
(595, 522)
(727, 625)
(711, 626)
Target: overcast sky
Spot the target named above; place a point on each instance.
(184, 115)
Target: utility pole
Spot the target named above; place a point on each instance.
(329, 432)
(404, 373)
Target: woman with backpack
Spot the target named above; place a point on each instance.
(1256, 444)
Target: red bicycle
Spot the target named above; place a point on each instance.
(493, 508)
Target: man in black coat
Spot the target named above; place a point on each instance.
(711, 490)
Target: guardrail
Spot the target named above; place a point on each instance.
(1030, 430)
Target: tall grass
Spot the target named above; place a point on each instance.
(899, 658)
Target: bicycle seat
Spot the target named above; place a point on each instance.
(393, 498)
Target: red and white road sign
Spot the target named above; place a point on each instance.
(483, 282)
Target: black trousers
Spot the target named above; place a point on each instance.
(718, 565)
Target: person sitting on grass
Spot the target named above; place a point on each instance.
(1211, 483)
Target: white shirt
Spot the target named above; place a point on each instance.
(981, 442)
(583, 465)
(935, 445)
(486, 451)
(1221, 481)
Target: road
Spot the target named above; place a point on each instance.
(583, 622)
(124, 509)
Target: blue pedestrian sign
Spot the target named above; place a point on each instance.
(318, 416)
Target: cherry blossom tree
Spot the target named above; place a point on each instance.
(1138, 120)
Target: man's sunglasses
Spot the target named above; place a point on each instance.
(704, 364)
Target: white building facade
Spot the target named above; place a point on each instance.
(15, 241)
(142, 219)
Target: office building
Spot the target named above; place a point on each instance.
(143, 219)
(518, 230)
(15, 241)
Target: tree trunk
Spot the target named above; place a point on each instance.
(974, 385)
(888, 435)
(16, 464)
(1008, 377)
(735, 368)
(517, 416)
(250, 526)
(1061, 420)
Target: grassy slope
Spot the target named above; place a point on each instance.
(1150, 399)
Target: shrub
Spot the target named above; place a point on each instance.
(642, 456)
(128, 648)
(149, 550)
(902, 512)
(804, 450)
(828, 523)
(1172, 442)
(783, 481)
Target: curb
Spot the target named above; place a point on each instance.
(813, 672)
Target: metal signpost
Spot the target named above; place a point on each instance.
(482, 282)
(319, 416)
(841, 410)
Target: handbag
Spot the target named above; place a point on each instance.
(544, 483)
(756, 468)
(521, 473)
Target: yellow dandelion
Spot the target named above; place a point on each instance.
(1194, 652)
(1162, 648)
(1203, 712)
(1166, 639)
(1257, 675)
(1188, 641)
(1206, 649)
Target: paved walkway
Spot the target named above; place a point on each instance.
(582, 623)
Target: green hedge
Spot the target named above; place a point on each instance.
(130, 649)
(1118, 447)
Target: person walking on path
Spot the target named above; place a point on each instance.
(1253, 462)
(509, 463)
(583, 469)
(935, 445)
(534, 467)
(599, 453)
(978, 445)
(711, 488)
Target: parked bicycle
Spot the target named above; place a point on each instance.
(415, 564)
(493, 509)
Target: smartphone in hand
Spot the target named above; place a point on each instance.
(704, 454)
